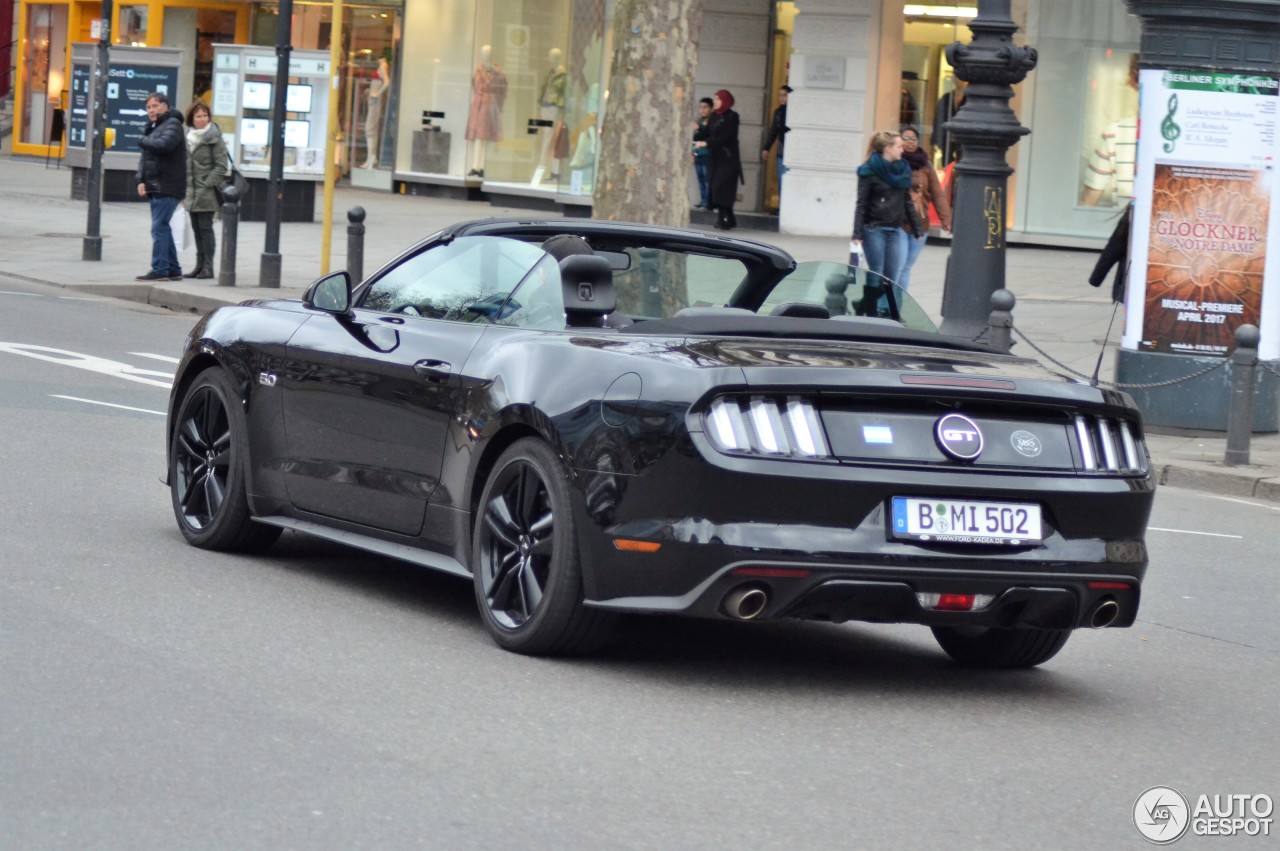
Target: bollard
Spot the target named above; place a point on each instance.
(230, 224)
(355, 244)
(836, 302)
(1244, 368)
(1000, 322)
(650, 289)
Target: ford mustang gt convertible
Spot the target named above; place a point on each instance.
(592, 418)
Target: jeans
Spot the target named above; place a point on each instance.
(164, 254)
(782, 169)
(914, 247)
(702, 166)
(885, 249)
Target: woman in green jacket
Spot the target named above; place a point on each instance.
(206, 169)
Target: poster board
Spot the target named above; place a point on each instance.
(1205, 214)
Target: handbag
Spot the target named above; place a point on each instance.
(180, 227)
(233, 178)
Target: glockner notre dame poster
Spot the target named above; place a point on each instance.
(1205, 257)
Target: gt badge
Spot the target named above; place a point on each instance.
(1026, 444)
(958, 437)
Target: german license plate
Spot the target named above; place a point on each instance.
(962, 521)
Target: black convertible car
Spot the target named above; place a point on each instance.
(589, 418)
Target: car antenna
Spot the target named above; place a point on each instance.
(1097, 368)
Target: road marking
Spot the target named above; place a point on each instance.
(1189, 532)
(80, 298)
(106, 404)
(1242, 502)
(89, 362)
(32, 295)
(164, 358)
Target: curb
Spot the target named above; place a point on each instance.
(1220, 482)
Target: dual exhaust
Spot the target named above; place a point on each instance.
(748, 602)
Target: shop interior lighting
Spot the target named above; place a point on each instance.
(921, 11)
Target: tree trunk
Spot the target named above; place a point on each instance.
(647, 137)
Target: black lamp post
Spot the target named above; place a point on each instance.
(984, 128)
(92, 246)
(269, 271)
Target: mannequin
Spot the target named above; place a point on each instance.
(373, 112)
(484, 119)
(551, 108)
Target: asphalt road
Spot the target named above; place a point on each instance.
(157, 696)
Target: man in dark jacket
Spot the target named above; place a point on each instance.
(778, 133)
(162, 180)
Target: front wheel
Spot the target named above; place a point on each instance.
(998, 647)
(208, 459)
(528, 577)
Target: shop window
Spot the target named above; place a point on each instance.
(133, 26)
(42, 74)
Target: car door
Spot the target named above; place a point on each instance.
(368, 398)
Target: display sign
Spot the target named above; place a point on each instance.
(1202, 219)
(81, 97)
(297, 98)
(257, 95)
(128, 87)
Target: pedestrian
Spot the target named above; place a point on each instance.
(162, 179)
(701, 156)
(926, 191)
(206, 171)
(720, 137)
(777, 133)
(1116, 253)
(884, 203)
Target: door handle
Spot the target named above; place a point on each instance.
(433, 370)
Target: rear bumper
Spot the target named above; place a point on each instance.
(838, 593)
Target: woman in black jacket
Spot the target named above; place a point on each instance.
(720, 138)
(884, 203)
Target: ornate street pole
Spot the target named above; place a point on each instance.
(985, 128)
(91, 249)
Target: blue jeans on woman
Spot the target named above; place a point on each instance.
(164, 254)
(885, 249)
(914, 247)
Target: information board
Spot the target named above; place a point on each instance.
(81, 97)
(128, 87)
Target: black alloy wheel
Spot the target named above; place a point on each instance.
(1000, 647)
(207, 469)
(528, 578)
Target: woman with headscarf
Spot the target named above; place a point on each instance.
(720, 138)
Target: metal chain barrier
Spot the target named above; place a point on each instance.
(1114, 385)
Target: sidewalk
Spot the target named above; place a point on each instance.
(42, 230)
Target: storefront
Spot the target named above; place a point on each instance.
(1073, 173)
(504, 96)
(48, 29)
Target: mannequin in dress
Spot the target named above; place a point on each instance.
(551, 108)
(484, 119)
(373, 112)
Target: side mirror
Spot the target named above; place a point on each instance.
(332, 294)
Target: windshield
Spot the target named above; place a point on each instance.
(845, 291)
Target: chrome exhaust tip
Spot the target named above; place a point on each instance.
(1104, 614)
(745, 603)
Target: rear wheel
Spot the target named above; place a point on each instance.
(208, 459)
(998, 647)
(528, 577)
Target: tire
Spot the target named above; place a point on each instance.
(528, 576)
(998, 647)
(208, 460)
